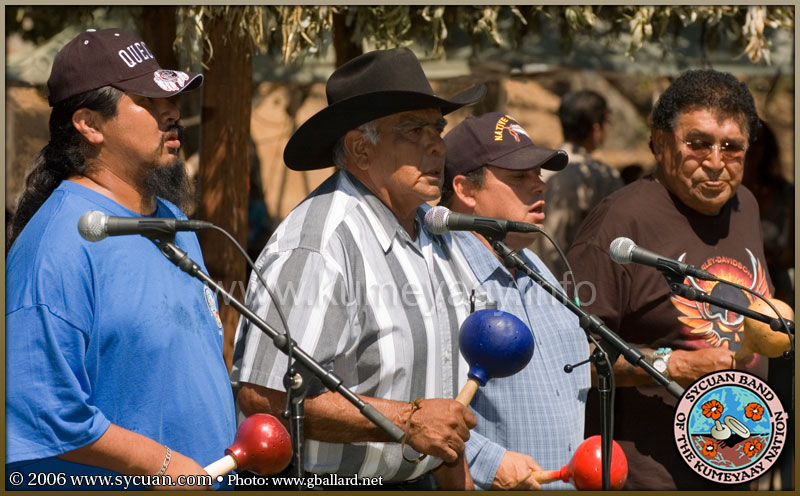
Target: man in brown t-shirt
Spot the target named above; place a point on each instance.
(692, 210)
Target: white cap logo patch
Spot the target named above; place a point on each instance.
(515, 130)
(170, 80)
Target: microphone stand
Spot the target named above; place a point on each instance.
(602, 358)
(677, 287)
(303, 370)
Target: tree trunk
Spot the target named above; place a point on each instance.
(343, 43)
(159, 28)
(224, 165)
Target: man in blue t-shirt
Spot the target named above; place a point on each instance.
(113, 355)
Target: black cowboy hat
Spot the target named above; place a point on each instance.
(370, 86)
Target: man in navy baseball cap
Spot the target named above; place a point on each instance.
(534, 418)
(118, 58)
(111, 348)
(495, 145)
(497, 140)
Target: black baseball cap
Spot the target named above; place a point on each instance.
(113, 57)
(496, 139)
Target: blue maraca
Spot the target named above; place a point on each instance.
(494, 344)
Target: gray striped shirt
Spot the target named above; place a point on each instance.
(378, 309)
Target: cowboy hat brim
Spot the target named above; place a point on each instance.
(311, 146)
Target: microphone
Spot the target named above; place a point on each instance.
(624, 250)
(95, 226)
(440, 220)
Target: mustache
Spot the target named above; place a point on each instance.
(177, 128)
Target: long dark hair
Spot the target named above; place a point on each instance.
(64, 155)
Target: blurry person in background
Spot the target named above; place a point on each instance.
(775, 197)
(574, 191)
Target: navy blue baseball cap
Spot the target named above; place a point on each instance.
(113, 57)
(496, 139)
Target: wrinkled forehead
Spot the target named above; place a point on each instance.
(430, 116)
(712, 119)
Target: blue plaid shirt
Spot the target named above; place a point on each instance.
(540, 410)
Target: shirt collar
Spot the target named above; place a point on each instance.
(384, 223)
(483, 261)
(576, 152)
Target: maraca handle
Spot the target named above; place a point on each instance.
(224, 465)
(545, 476)
(467, 392)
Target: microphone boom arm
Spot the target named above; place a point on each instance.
(589, 323)
(329, 379)
(488, 229)
(592, 324)
(693, 294)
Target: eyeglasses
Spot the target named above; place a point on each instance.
(729, 150)
(413, 128)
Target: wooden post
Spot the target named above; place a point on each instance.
(225, 163)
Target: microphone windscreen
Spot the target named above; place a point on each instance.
(436, 220)
(91, 225)
(621, 250)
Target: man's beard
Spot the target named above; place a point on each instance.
(171, 182)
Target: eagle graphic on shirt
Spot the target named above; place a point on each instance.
(717, 325)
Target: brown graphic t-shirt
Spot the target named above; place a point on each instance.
(635, 302)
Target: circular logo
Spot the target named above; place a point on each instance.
(170, 80)
(730, 427)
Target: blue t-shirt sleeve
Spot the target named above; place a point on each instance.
(48, 402)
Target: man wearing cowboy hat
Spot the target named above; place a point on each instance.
(364, 289)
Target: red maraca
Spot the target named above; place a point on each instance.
(585, 469)
(262, 445)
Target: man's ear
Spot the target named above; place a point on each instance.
(598, 133)
(657, 143)
(89, 124)
(358, 149)
(464, 190)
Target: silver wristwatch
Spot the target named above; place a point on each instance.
(661, 361)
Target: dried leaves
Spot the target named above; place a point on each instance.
(300, 30)
(303, 30)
